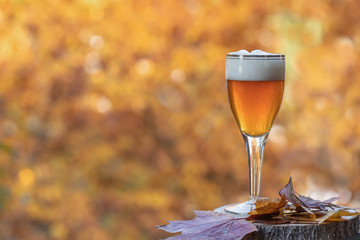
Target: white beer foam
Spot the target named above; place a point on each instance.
(255, 66)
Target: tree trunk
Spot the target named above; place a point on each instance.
(323, 231)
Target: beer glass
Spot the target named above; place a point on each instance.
(255, 86)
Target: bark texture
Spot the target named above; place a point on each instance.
(324, 231)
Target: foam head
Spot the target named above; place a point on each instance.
(255, 66)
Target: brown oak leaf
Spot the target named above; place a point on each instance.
(265, 207)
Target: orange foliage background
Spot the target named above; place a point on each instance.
(114, 116)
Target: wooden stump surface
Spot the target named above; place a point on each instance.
(324, 231)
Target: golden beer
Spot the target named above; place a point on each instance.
(255, 86)
(255, 104)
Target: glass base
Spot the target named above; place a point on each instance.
(244, 208)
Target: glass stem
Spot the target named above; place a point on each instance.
(255, 149)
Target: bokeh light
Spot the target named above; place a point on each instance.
(114, 116)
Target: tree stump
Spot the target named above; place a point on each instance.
(323, 231)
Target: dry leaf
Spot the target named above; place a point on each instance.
(334, 216)
(312, 203)
(288, 192)
(267, 207)
(210, 225)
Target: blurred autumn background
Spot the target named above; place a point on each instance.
(114, 116)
